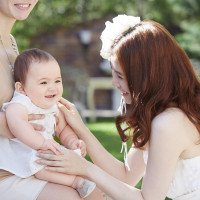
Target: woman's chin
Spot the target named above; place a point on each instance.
(21, 16)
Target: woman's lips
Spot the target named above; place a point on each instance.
(23, 6)
(124, 93)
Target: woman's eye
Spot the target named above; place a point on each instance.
(120, 77)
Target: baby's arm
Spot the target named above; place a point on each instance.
(17, 119)
(67, 136)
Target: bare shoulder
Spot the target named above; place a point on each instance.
(171, 116)
(174, 123)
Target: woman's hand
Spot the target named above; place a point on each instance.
(50, 144)
(71, 115)
(68, 162)
(37, 127)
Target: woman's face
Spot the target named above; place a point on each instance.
(119, 80)
(17, 9)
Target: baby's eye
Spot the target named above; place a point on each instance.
(58, 81)
(43, 83)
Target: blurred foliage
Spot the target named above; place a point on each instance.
(180, 17)
(189, 38)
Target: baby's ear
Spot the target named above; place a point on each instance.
(19, 88)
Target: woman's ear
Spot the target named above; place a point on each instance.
(19, 88)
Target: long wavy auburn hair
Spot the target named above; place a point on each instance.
(159, 74)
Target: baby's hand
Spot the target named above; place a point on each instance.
(50, 144)
(82, 146)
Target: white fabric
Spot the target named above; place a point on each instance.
(122, 109)
(190, 196)
(15, 188)
(17, 157)
(186, 180)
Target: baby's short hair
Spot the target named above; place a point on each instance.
(24, 60)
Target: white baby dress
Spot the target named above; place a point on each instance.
(186, 181)
(17, 157)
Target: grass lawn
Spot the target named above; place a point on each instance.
(106, 132)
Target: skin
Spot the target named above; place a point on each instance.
(170, 126)
(17, 9)
(10, 11)
(43, 84)
(119, 81)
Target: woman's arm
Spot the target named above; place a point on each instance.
(99, 155)
(170, 137)
(4, 131)
(168, 140)
(71, 163)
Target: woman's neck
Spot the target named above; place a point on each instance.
(6, 25)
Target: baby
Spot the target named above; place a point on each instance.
(38, 88)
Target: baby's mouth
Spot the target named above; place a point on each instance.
(50, 96)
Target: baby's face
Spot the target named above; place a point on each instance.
(44, 83)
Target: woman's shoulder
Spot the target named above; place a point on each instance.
(171, 122)
(170, 115)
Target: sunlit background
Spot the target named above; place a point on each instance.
(70, 31)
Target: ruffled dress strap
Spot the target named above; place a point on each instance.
(190, 196)
(19, 98)
(14, 44)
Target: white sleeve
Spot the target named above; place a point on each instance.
(18, 98)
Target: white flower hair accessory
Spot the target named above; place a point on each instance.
(120, 24)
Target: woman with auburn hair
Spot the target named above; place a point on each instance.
(13, 187)
(160, 115)
(158, 77)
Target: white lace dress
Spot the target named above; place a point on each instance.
(17, 157)
(186, 180)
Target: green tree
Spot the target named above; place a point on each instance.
(180, 17)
